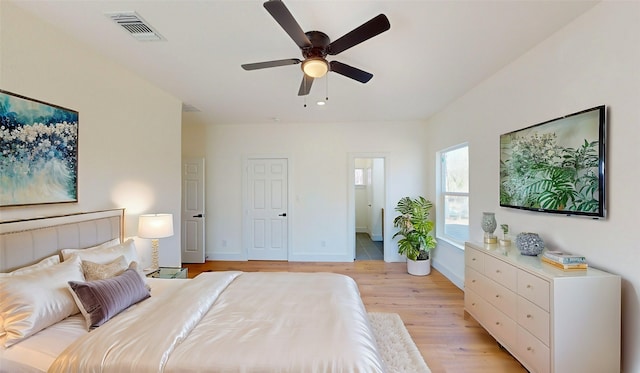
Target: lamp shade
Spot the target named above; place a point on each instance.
(315, 67)
(155, 226)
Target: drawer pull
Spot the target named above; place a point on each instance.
(473, 304)
(497, 295)
(529, 316)
(497, 271)
(528, 286)
(473, 281)
(473, 259)
(529, 349)
(497, 322)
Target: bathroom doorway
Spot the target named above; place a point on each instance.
(368, 206)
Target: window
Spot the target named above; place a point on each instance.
(453, 216)
(359, 176)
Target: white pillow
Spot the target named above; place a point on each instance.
(46, 262)
(67, 253)
(37, 299)
(104, 255)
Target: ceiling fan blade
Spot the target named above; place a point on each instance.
(281, 14)
(264, 65)
(305, 85)
(366, 31)
(350, 71)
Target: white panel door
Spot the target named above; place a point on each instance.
(267, 197)
(193, 211)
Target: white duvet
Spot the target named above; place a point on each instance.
(236, 322)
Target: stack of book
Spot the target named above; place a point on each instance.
(564, 261)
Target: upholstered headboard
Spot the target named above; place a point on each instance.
(24, 242)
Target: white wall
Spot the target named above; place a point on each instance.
(593, 61)
(377, 198)
(128, 155)
(362, 193)
(319, 173)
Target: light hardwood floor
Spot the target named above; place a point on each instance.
(430, 306)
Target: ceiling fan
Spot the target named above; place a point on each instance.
(316, 45)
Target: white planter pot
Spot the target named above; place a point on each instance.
(419, 267)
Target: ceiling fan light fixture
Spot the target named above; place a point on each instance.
(315, 67)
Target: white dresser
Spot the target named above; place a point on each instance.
(550, 320)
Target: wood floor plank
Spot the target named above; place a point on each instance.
(430, 306)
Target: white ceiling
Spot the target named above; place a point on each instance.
(434, 52)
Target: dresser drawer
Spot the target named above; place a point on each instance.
(501, 272)
(474, 280)
(534, 319)
(503, 328)
(532, 352)
(534, 289)
(474, 259)
(473, 304)
(500, 297)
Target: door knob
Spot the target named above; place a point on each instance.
(197, 216)
(283, 214)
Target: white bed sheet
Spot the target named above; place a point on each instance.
(37, 353)
(252, 322)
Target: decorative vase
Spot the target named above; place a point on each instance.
(506, 241)
(529, 243)
(419, 267)
(489, 225)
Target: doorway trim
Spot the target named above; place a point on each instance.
(351, 201)
(245, 199)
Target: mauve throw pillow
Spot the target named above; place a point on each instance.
(101, 300)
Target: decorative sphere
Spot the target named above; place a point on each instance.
(529, 243)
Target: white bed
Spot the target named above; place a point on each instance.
(217, 322)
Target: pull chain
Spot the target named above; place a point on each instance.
(304, 84)
(327, 88)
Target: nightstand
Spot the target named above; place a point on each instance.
(169, 272)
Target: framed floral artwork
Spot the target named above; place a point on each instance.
(38, 152)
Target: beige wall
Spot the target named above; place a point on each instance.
(319, 174)
(128, 156)
(194, 141)
(593, 61)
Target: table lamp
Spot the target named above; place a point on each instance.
(155, 226)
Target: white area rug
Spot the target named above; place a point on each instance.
(397, 348)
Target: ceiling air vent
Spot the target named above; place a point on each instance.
(135, 25)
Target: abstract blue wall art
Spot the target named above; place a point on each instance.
(38, 152)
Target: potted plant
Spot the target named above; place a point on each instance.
(415, 229)
(505, 241)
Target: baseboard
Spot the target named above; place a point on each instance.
(361, 230)
(320, 258)
(292, 258)
(446, 272)
(235, 257)
(376, 237)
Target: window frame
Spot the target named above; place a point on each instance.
(363, 177)
(442, 194)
